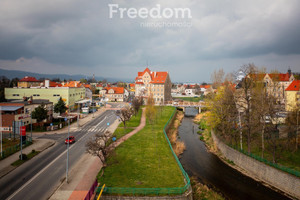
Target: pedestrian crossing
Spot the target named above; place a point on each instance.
(96, 129)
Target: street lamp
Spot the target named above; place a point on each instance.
(68, 144)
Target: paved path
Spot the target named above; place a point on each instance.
(137, 129)
(84, 175)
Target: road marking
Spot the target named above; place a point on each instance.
(45, 168)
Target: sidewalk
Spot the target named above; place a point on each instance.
(38, 145)
(74, 126)
(83, 175)
(42, 144)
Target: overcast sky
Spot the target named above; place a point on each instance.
(79, 37)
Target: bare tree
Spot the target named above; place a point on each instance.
(137, 102)
(125, 114)
(217, 78)
(97, 146)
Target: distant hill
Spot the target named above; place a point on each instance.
(21, 74)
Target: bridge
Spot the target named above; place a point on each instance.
(186, 104)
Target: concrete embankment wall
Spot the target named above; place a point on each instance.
(281, 180)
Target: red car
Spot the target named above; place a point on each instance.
(70, 140)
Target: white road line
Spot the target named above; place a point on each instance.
(28, 182)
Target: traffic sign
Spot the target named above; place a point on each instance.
(114, 139)
(66, 119)
(107, 123)
(51, 124)
(23, 131)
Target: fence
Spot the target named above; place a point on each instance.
(91, 191)
(265, 161)
(13, 149)
(275, 165)
(153, 191)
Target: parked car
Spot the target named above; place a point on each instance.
(70, 140)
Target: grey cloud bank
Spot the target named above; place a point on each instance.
(76, 36)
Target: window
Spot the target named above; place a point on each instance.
(15, 95)
(56, 95)
(36, 95)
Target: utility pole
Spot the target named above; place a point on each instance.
(68, 144)
(20, 125)
(78, 115)
(31, 126)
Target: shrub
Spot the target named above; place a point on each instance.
(24, 157)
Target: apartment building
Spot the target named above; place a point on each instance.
(293, 96)
(156, 83)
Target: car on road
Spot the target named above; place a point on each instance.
(70, 140)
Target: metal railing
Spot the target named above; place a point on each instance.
(153, 191)
(13, 149)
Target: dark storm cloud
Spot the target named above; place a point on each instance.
(79, 34)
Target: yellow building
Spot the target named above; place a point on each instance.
(293, 96)
(28, 82)
(69, 94)
(156, 83)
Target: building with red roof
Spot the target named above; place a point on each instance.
(156, 83)
(28, 82)
(115, 93)
(277, 83)
(293, 96)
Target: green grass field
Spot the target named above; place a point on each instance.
(144, 160)
(134, 121)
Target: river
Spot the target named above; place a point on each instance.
(213, 172)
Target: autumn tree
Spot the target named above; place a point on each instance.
(150, 109)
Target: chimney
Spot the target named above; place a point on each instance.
(290, 71)
(30, 100)
(47, 83)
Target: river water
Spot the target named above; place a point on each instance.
(210, 170)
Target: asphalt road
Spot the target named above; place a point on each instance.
(39, 177)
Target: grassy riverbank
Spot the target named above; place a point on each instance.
(178, 146)
(144, 160)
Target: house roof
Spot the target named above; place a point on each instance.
(29, 79)
(117, 90)
(159, 77)
(10, 108)
(73, 84)
(131, 84)
(156, 77)
(280, 77)
(294, 86)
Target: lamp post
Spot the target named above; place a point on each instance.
(31, 126)
(68, 144)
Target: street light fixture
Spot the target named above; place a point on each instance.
(68, 144)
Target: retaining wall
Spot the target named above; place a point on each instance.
(281, 180)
